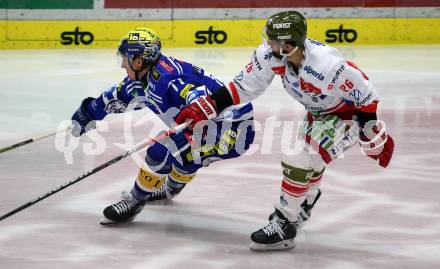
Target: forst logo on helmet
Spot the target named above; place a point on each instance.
(285, 25)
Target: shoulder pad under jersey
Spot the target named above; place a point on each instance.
(321, 62)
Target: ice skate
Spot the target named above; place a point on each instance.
(122, 211)
(277, 235)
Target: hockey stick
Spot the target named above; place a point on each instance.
(99, 168)
(34, 139)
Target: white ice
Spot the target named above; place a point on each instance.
(368, 217)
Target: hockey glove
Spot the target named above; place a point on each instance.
(202, 109)
(377, 144)
(82, 120)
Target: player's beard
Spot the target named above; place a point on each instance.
(276, 54)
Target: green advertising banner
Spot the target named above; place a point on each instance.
(46, 4)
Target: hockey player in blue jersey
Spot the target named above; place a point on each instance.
(165, 85)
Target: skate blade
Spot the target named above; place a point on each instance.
(283, 245)
(106, 222)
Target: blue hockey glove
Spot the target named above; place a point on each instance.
(82, 120)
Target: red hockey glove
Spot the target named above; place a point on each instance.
(378, 145)
(203, 108)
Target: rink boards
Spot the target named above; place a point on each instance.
(34, 34)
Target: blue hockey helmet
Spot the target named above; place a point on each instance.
(141, 42)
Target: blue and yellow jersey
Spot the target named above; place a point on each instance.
(169, 86)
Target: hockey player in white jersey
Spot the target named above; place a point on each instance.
(341, 104)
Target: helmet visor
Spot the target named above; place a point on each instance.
(272, 42)
(264, 37)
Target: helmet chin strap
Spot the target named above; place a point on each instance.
(285, 55)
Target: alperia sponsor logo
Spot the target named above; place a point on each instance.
(309, 70)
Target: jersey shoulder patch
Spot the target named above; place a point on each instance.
(155, 74)
(164, 71)
(165, 66)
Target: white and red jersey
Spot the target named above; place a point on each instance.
(325, 82)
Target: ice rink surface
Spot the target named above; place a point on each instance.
(368, 217)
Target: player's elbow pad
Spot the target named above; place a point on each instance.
(222, 99)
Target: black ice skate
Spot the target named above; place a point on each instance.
(305, 214)
(122, 211)
(277, 235)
